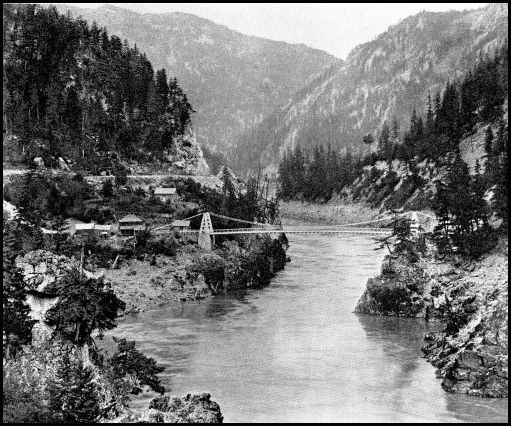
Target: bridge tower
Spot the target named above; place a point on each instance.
(206, 228)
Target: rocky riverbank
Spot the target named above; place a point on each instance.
(194, 274)
(469, 297)
(188, 409)
(146, 284)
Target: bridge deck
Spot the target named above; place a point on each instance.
(297, 230)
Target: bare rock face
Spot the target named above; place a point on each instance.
(41, 268)
(190, 409)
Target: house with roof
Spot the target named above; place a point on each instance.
(166, 194)
(131, 225)
(180, 225)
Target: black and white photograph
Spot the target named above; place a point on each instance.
(255, 213)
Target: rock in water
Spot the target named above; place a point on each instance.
(189, 409)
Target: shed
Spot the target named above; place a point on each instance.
(103, 230)
(181, 225)
(131, 224)
(84, 228)
(165, 194)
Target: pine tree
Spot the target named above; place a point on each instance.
(162, 90)
(85, 305)
(74, 395)
(442, 232)
(16, 322)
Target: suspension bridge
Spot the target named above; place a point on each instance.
(206, 230)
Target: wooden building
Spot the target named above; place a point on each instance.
(103, 230)
(131, 225)
(180, 225)
(166, 194)
(84, 228)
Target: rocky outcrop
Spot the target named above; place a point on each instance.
(36, 368)
(472, 352)
(470, 298)
(398, 291)
(40, 268)
(189, 409)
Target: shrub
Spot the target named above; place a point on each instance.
(212, 267)
(166, 244)
(74, 395)
(476, 243)
(22, 399)
(390, 300)
(128, 360)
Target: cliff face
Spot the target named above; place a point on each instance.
(471, 298)
(386, 77)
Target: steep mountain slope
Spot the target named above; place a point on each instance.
(385, 77)
(72, 94)
(233, 80)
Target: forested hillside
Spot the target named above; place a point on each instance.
(233, 80)
(384, 78)
(72, 90)
(423, 166)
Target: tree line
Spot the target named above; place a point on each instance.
(462, 107)
(478, 99)
(72, 90)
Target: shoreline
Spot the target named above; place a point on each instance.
(468, 297)
(331, 213)
(146, 287)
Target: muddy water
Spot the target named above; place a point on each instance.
(295, 351)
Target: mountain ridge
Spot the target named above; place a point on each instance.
(390, 75)
(233, 80)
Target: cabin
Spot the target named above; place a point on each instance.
(166, 194)
(180, 225)
(103, 231)
(84, 228)
(131, 225)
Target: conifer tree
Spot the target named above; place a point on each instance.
(85, 305)
(16, 322)
(74, 395)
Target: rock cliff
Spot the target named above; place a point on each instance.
(470, 297)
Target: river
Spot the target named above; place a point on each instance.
(296, 352)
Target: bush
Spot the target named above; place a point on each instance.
(212, 267)
(127, 360)
(22, 399)
(166, 244)
(476, 243)
(390, 300)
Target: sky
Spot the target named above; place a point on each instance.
(334, 28)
